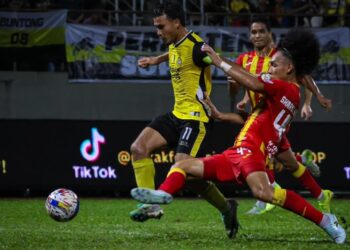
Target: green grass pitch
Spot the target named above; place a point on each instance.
(187, 224)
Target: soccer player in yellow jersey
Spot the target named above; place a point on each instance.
(257, 62)
(186, 126)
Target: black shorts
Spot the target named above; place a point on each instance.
(188, 136)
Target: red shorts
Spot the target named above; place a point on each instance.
(233, 165)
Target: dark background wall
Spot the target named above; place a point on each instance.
(44, 120)
(45, 95)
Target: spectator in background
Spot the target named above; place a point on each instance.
(18, 4)
(294, 9)
(96, 18)
(240, 7)
(334, 10)
(148, 13)
(308, 7)
(97, 14)
(74, 14)
(43, 4)
(347, 14)
(317, 19)
(261, 7)
(281, 10)
(215, 7)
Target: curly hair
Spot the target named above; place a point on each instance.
(172, 9)
(302, 47)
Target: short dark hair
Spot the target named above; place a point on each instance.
(172, 9)
(260, 20)
(302, 47)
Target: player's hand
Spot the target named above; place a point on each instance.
(240, 106)
(216, 60)
(325, 102)
(215, 113)
(306, 112)
(144, 62)
(233, 86)
(230, 80)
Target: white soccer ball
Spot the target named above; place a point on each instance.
(62, 204)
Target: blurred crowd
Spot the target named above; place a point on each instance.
(283, 13)
(94, 12)
(289, 13)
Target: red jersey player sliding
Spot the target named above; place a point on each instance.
(260, 136)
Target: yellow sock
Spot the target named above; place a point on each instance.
(210, 193)
(279, 197)
(300, 171)
(144, 173)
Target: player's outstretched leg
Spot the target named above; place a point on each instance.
(150, 196)
(230, 219)
(144, 212)
(295, 203)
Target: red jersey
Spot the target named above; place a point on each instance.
(256, 65)
(265, 127)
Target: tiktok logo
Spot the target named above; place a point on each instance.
(91, 151)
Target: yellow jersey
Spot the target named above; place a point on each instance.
(256, 65)
(190, 77)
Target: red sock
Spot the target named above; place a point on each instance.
(309, 183)
(173, 183)
(298, 205)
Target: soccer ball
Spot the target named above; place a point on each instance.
(62, 204)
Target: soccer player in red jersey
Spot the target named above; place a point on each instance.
(257, 62)
(260, 136)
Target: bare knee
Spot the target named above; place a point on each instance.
(263, 193)
(291, 165)
(190, 166)
(138, 150)
(182, 156)
(181, 164)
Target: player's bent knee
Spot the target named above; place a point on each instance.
(182, 156)
(138, 151)
(186, 165)
(180, 165)
(291, 166)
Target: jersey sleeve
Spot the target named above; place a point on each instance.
(198, 55)
(239, 60)
(271, 87)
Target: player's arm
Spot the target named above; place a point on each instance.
(306, 110)
(144, 62)
(309, 82)
(232, 86)
(235, 71)
(227, 117)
